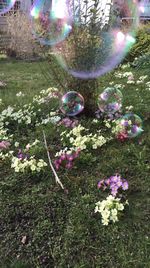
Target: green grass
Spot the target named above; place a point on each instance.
(62, 230)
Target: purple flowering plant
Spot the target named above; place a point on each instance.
(67, 122)
(21, 155)
(111, 115)
(114, 184)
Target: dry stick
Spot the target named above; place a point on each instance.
(50, 163)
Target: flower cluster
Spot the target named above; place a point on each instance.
(21, 116)
(4, 136)
(130, 77)
(4, 145)
(124, 74)
(110, 209)
(111, 115)
(2, 84)
(22, 164)
(20, 94)
(52, 117)
(31, 113)
(114, 183)
(66, 158)
(67, 122)
(23, 160)
(119, 131)
(79, 137)
(141, 79)
(46, 95)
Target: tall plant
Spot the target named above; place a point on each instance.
(85, 49)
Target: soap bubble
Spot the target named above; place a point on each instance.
(51, 22)
(6, 5)
(72, 103)
(110, 100)
(131, 125)
(99, 39)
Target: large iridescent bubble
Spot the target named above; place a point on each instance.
(100, 37)
(131, 125)
(51, 21)
(110, 100)
(72, 103)
(6, 5)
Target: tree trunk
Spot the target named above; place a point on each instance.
(88, 89)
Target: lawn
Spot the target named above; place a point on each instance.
(45, 226)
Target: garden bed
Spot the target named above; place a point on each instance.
(43, 225)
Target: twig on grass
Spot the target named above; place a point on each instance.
(50, 163)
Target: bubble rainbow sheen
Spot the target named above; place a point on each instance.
(6, 5)
(110, 100)
(72, 103)
(51, 21)
(100, 38)
(131, 125)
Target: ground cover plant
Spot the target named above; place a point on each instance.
(45, 224)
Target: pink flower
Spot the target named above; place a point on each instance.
(69, 165)
(122, 136)
(100, 184)
(4, 144)
(66, 160)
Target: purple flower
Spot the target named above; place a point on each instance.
(21, 155)
(100, 184)
(119, 182)
(114, 183)
(125, 123)
(114, 178)
(107, 181)
(67, 122)
(114, 191)
(125, 185)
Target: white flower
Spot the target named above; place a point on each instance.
(120, 207)
(16, 144)
(20, 94)
(109, 209)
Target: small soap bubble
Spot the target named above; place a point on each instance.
(6, 5)
(51, 21)
(72, 103)
(131, 125)
(110, 100)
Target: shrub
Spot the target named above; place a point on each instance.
(142, 45)
(142, 62)
(21, 44)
